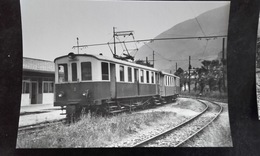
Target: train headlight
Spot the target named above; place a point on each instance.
(71, 55)
(86, 93)
(61, 94)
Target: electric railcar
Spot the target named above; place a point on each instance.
(100, 84)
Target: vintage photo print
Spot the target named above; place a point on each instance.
(124, 74)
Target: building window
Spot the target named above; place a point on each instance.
(147, 76)
(122, 73)
(142, 75)
(129, 74)
(47, 87)
(63, 72)
(86, 72)
(152, 74)
(105, 72)
(74, 72)
(26, 87)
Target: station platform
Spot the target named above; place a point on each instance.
(39, 113)
(38, 107)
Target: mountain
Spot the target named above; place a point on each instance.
(170, 52)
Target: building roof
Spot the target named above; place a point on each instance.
(38, 65)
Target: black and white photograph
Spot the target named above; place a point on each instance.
(124, 74)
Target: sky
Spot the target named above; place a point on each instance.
(50, 27)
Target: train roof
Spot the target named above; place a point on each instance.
(165, 73)
(109, 59)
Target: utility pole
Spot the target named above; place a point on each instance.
(114, 36)
(78, 44)
(176, 67)
(223, 62)
(189, 73)
(153, 58)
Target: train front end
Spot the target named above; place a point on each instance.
(75, 84)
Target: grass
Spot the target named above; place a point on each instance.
(191, 105)
(214, 95)
(92, 131)
(217, 134)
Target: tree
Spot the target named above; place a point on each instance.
(183, 80)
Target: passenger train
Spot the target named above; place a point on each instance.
(95, 83)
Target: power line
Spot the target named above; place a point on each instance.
(156, 39)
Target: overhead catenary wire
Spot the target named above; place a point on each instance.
(156, 39)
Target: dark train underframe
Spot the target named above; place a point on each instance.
(114, 106)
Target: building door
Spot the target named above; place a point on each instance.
(113, 80)
(34, 93)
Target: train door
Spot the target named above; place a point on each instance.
(34, 93)
(157, 83)
(113, 80)
(136, 76)
(162, 86)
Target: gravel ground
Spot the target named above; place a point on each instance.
(217, 134)
(182, 114)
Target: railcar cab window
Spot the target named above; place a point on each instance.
(63, 73)
(122, 73)
(74, 71)
(136, 74)
(105, 72)
(86, 72)
(142, 75)
(129, 74)
(152, 75)
(147, 76)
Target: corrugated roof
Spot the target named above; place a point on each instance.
(38, 65)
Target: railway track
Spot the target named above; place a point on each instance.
(38, 127)
(179, 134)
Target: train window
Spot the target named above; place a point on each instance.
(147, 76)
(105, 72)
(142, 75)
(86, 72)
(136, 74)
(74, 71)
(152, 77)
(63, 72)
(174, 81)
(129, 74)
(122, 73)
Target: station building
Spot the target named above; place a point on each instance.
(38, 82)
